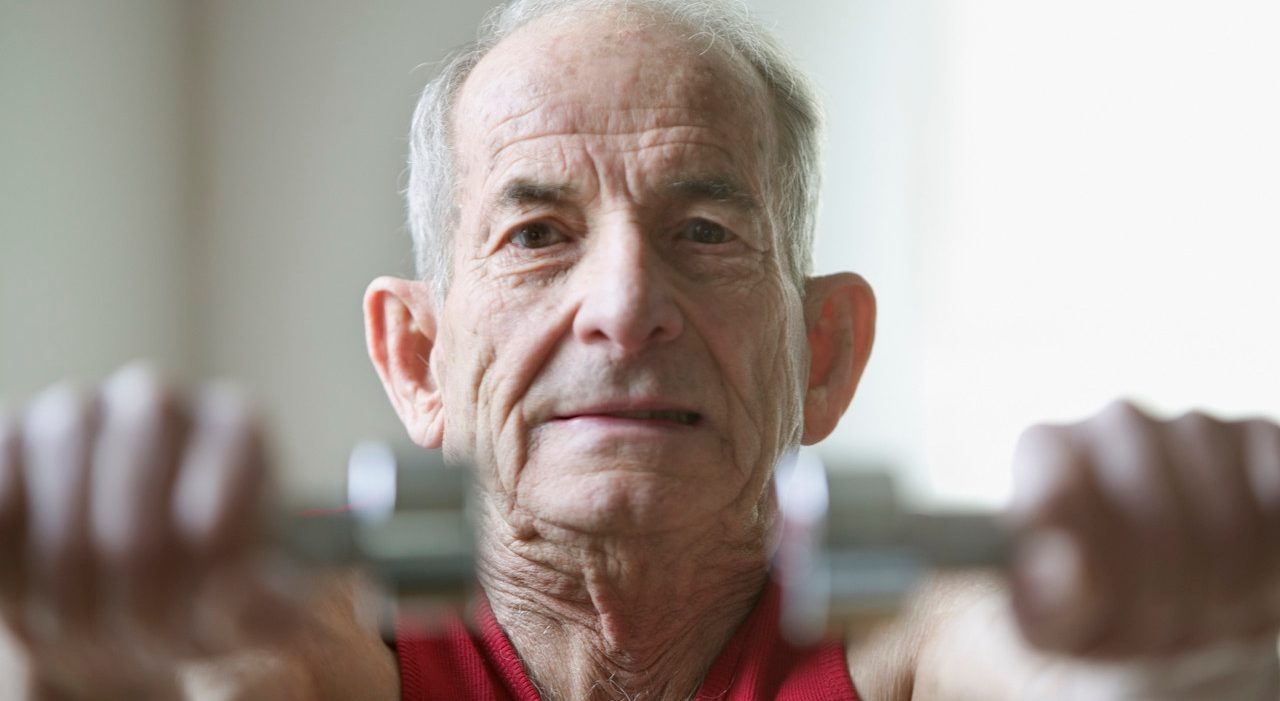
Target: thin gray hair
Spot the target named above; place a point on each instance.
(431, 193)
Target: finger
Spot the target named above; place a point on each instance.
(1153, 543)
(220, 497)
(136, 458)
(1261, 440)
(1262, 466)
(1060, 577)
(1208, 456)
(1045, 472)
(57, 433)
(12, 518)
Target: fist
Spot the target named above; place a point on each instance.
(1147, 537)
(130, 520)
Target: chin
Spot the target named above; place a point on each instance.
(622, 503)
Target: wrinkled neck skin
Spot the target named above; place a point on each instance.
(638, 617)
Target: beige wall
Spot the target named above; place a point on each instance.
(301, 117)
(303, 111)
(212, 183)
(94, 227)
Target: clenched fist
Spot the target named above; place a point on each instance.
(130, 526)
(1148, 537)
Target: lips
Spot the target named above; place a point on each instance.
(688, 418)
(682, 417)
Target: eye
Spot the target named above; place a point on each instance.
(706, 232)
(536, 235)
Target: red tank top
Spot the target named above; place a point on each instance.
(457, 664)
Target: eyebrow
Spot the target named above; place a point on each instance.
(522, 193)
(715, 190)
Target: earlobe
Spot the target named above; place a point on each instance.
(840, 319)
(400, 330)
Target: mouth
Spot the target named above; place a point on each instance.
(673, 416)
(687, 418)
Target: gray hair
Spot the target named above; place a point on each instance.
(431, 192)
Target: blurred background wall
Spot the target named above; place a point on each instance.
(1058, 203)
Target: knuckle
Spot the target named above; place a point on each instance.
(1044, 448)
(1043, 437)
(224, 410)
(1197, 424)
(1046, 470)
(138, 398)
(1124, 410)
(59, 413)
(1121, 416)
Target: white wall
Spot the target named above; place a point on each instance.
(1059, 204)
(1106, 223)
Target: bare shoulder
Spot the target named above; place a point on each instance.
(947, 644)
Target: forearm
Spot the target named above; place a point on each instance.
(1227, 672)
(975, 651)
(22, 680)
(920, 654)
(333, 655)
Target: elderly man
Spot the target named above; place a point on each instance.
(612, 203)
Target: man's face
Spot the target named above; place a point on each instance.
(620, 350)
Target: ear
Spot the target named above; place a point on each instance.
(400, 329)
(840, 315)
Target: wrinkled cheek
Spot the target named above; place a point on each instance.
(778, 419)
(793, 369)
(482, 426)
(500, 438)
(466, 434)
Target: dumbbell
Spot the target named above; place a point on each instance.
(849, 550)
(406, 522)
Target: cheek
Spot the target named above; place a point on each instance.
(497, 340)
(758, 342)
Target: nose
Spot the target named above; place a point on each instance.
(626, 294)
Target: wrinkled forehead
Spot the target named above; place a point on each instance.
(605, 74)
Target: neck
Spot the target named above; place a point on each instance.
(635, 617)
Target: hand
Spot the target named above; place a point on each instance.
(1147, 537)
(130, 522)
